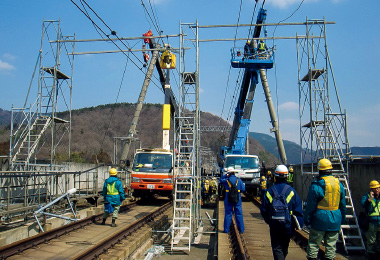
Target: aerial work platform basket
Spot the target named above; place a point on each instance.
(252, 58)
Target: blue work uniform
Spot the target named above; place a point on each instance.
(113, 191)
(230, 208)
(372, 209)
(280, 238)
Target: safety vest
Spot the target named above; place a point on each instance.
(290, 177)
(288, 198)
(332, 194)
(206, 186)
(263, 184)
(261, 46)
(376, 208)
(111, 190)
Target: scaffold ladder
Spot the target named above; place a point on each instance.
(30, 141)
(350, 232)
(183, 193)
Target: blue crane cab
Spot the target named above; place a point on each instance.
(251, 58)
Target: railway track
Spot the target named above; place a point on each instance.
(86, 238)
(242, 248)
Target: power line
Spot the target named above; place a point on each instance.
(114, 34)
(229, 72)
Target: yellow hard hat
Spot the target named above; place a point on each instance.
(374, 184)
(269, 173)
(248, 42)
(206, 181)
(290, 169)
(263, 177)
(324, 164)
(113, 171)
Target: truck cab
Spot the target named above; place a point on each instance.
(247, 168)
(152, 173)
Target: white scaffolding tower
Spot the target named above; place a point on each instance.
(323, 128)
(38, 128)
(186, 217)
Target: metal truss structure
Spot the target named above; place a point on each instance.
(40, 138)
(37, 129)
(187, 181)
(323, 127)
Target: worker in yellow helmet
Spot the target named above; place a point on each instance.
(113, 194)
(247, 49)
(261, 49)
(325, 211)
(270, 179)
(371, 204)
(290, 176)
(263, 186)
(205, 192)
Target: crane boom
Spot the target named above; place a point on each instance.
(254, 61)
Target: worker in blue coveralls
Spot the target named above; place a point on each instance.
(281, 229)
(325, 211)
(229, 208)
(113, 194)
(371, 204)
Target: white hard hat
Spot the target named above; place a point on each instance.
(281, 171)
(230, 169)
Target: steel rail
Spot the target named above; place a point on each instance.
(300, 236)
(102, 247)
(31, 242)
(237, 243)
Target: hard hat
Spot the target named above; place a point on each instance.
(290, 168)
(113, 171)
(374, 184)
(230, 169)
(248, 42)
(206, 181)
(269, 173)
(281, 171)
(261, 40)
(263, 177)
(324, 164)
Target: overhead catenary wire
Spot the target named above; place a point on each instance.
(115, 34)
(237, 86)
(274, 57)
(229, 71)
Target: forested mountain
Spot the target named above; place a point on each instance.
(94, 128)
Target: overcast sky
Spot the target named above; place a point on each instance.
(352, 44)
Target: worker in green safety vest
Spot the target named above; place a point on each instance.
(290, 176)
(113, 194)
(261, 48)
(370, 203)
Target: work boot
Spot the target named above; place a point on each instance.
(113, 222)
(104, 221)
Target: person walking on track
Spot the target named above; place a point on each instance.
(325, 211)
(113, 194)
(232, 201)
(279, 206)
